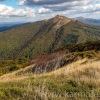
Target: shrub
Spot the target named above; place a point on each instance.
(13, 68)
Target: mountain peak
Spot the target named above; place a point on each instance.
(60, 17)
(59, 20)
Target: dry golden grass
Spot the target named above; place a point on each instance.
(80, 76)
(81, 70)
(17, 75)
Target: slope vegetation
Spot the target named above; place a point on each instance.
(52, 61)
(32, 40)
(74, 81)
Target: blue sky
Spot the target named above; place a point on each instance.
(32, 10)
(12, 3)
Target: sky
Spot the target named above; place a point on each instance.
(34, 10)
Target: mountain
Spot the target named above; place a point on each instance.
(34, 39)
(66, 61)
(88, 20)
(4, 26)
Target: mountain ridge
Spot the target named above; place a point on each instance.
(45, 36)
(88, 20)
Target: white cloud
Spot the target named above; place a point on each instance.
(30, 12)
(72, 7)
(49, 8)
(21, 2)
(7, 11)
(44, 11)
(36, 0)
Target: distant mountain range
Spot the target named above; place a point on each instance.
(4, 26)
(88, 20)
(47, 36)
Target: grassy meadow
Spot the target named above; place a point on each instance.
(77, 81)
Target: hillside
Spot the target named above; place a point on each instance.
(74, 81)
(35, 39)
(52, 61)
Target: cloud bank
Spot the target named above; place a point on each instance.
(7, 11)
(81, 6)
(49, 8)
